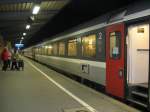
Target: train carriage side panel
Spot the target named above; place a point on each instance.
(97, 70)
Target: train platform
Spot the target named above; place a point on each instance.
(39, 89)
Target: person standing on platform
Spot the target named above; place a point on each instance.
(9, 60)
(15, 57)
(5, 58)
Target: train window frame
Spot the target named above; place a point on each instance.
(116, 49)
(76, 46)
(40, 52)
(86, 36)
(101, 57)
(36, 50)
(45, 50)
(53, 49)
(61, 41)
(48, 47)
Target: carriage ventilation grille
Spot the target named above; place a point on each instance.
(82, 109)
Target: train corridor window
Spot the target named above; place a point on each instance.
(40, 50)
(55, 49)
(89, 46)
(72, 47)
(49, 50)
(43, 50)
(115, 45)
(61, 48)
(36, 50)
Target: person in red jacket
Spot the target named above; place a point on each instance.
(5, 57)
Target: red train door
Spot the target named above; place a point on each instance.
(115, 60)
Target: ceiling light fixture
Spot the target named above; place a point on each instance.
(36, 9)
(24, 34)
(28, 26)
(22, 38)
(32, 18)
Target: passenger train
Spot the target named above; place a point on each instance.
(111, 50)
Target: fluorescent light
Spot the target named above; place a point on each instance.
(32, 18)
(46, 47)
(24, 34)
(22, 38)
(36, 9)
(50, 47)
(27, 27)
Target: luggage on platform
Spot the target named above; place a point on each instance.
(20, 64)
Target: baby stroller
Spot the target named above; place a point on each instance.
(17, 64)
(20, 64)
(14, 65)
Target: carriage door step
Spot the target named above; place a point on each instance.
(139, 95)
(82, 109)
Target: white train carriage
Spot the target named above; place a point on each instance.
(112, 51)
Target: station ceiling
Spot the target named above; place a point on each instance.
(55, 16)
(16, 14)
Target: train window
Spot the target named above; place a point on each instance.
(55, 49)
(43, 50)
(72, 47)
(115, 45)
(49, 50)
(36, 51)
(40, 50)
(61, 48)
(89, 46)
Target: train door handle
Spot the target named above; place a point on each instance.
(121, 73)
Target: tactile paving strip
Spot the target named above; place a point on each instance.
(82, 109)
